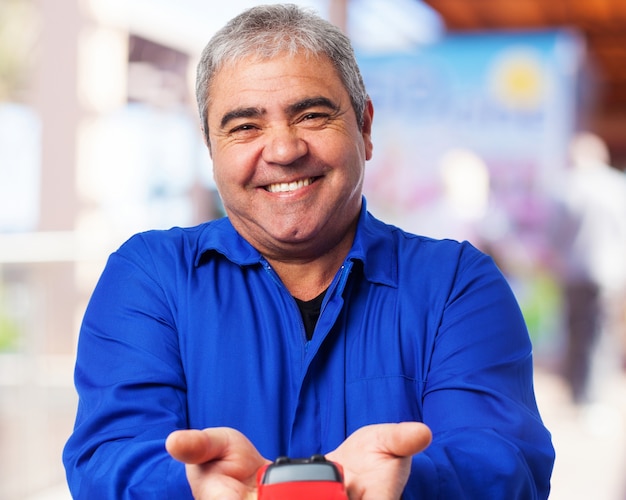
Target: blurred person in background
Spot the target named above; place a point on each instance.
(300, 324)
(589, 233)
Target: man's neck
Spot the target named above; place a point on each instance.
(306, 281)
(307, 277)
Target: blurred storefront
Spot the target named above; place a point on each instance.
(471, 140)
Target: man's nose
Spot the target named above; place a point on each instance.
(284, 145)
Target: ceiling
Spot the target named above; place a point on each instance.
(601, 22)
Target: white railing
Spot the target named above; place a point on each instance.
(54, 246)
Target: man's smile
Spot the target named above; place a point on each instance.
(285, 187)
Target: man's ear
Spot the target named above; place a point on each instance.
(366, 129)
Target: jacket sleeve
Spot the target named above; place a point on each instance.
(131, 388)
(488, 437)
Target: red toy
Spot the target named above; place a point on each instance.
(314, 478)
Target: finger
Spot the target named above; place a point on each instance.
(197, 446)
(405, 438)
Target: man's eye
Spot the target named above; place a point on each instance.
(243, 130)
(314, 118)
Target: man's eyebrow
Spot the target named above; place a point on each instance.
(312, 102)
(297, 107)
(251, 112)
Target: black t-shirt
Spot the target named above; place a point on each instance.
(310, 311)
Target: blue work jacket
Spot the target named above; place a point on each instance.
(192, 328)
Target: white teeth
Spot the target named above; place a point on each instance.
(285, 187)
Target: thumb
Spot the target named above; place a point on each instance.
(193, 446)
(405, 438)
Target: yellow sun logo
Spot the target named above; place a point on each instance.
(519, 80)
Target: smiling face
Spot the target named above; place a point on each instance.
(288, 154)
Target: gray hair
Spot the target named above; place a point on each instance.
(267, 30)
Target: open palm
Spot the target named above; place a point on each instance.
(377, 459)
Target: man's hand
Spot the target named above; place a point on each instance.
(221, 463)
(377, 459)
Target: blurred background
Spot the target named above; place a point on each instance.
(503, 123)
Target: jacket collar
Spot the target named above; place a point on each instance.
(373, 246)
